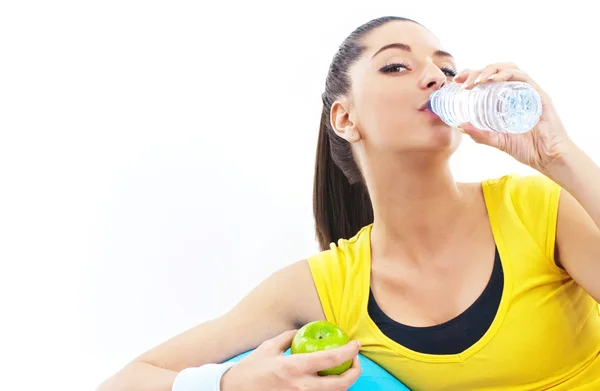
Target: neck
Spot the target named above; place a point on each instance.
(416, 205)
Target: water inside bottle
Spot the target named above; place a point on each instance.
(512, 107)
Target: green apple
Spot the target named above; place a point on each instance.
(321, 335)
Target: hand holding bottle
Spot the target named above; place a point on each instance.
(546, 143)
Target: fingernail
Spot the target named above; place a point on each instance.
(461, 129)
(478, 79)
(358, 344)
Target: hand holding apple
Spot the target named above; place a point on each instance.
(318, 336)
(267, 369)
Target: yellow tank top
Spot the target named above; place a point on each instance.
(546, 333)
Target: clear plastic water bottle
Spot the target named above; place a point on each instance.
(511, 107)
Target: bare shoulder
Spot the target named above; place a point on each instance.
(292, 292)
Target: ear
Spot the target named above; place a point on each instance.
(342, 123)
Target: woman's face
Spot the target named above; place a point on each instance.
(403, 63)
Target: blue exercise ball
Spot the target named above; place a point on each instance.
(372, 378)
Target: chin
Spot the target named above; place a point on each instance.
(435, 137)
(441, 137)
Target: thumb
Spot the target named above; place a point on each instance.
(480, 136)
(278, 344)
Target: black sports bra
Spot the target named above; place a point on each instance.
(453, 336)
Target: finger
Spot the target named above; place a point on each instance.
(492, 70)
(462, 76)
(470, 82)
(513, 75)
(325, 359)
(345, 380)
(519, 75)
(467, 127)
(485, 75)
(278, 344)
(484, 137)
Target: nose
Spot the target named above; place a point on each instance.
(432, 78)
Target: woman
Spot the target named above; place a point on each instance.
(449, 286)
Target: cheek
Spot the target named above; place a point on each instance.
(386, 115)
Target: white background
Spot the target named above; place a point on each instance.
(156, 157)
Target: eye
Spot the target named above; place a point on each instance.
(394, 68)
(449, 71)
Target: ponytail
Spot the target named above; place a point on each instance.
(341, 202)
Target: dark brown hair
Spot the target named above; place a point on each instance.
(341, 202)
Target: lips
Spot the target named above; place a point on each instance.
(425, 106)
(426, 110)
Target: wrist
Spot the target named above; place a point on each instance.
(562, 164)
(226, 383)
(206, 378)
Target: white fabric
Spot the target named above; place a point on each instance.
(204, 378)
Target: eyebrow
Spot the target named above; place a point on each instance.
(405, 47)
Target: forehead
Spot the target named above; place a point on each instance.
(416, 36)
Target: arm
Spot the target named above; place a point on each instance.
(578, 222)
(284, 300)
(548, 149)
